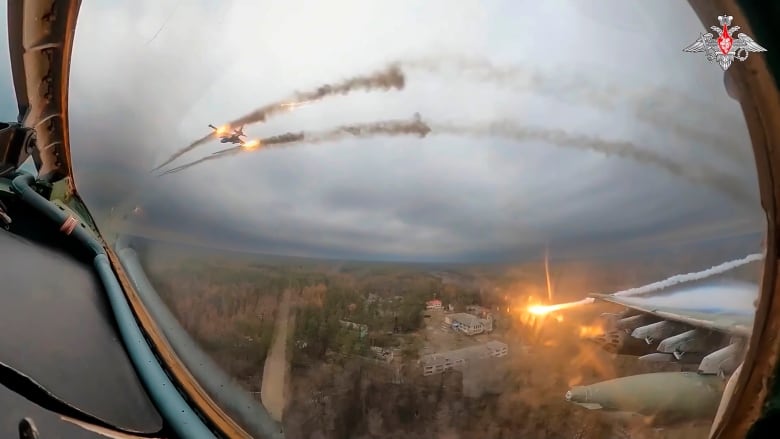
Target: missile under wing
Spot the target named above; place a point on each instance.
(706, 324)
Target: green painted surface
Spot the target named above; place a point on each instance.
(668, 396)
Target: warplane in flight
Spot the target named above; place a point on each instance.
(120, 375)
(227, 136)
(706, 324)
(123, 372)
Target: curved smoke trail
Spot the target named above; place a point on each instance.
(655, 286)
(690, 277)
(391, 77)
(415, 126)
(722, 182)
(658, 106)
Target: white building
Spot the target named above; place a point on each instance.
(439, 362)
(465, 323)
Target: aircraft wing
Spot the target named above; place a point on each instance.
(723, 319)
(704, 326)
(704, 323)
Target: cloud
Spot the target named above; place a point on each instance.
(144, 85)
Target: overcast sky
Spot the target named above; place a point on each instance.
(149, 75)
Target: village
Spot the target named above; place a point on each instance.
(447, 340)
(406, 346)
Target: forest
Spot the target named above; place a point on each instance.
(389, 300)
(228, 303)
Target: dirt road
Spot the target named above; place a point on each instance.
(275, 373)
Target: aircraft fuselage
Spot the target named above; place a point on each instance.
(230, 139)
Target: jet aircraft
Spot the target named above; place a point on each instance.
(227, 136)
(122, 373)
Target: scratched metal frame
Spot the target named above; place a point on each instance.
(41, 60)
(41, 34)
(756, 88)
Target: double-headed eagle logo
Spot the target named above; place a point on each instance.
(720, 47)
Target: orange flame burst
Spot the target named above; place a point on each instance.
(590, 331)
(250, 145)
(541, 310)
(534, 321)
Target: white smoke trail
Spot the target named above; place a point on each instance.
(659, 106)
(735, 297)
(690, 277)
(655, 286)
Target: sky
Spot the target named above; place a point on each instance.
(147, 76)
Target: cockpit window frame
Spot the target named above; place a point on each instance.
(756, 88)
(757, 91)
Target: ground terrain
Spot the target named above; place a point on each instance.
(262, 316)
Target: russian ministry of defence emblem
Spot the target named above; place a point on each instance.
(719, 46)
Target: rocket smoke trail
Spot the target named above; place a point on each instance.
(201, 160)
(655, 286)
(690, 277)
(391, 77)
(658, 106)
(388, 78)
(725, 183)
(415, 126)
(262, 143)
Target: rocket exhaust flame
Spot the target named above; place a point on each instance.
(252, 144)
(655, 286)
(483, 69)
(387, 128)
(722, 182)
(391, 77)
(540, 310)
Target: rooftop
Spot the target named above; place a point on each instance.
(467, 353)
(466, 319)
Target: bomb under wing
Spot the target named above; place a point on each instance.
(706, 325)
(668, 397)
